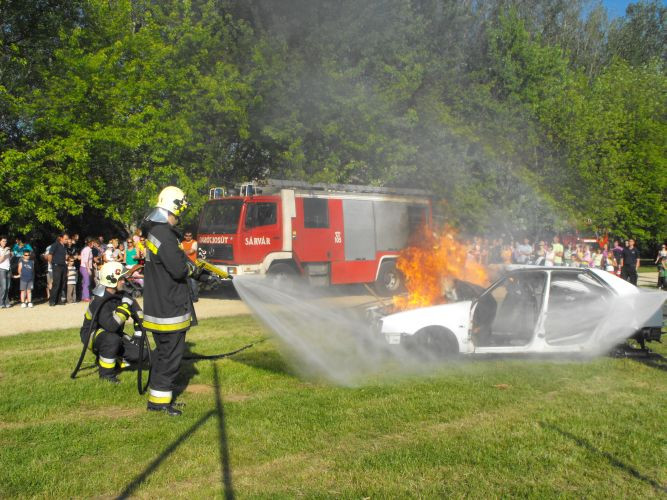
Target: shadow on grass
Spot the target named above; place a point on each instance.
(226, 473)
(269, 360)
(655, 360)
(608, 456)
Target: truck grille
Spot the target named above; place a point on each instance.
(216, 252)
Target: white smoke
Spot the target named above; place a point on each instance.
(324, 337)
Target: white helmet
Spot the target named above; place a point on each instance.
(171, 200)
(111, 273)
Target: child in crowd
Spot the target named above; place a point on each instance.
(662, 272)
(26, 275)
(71, 280)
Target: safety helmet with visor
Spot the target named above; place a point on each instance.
(111, 273)
(171, 200)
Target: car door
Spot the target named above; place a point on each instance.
(577, 303)
(506, 317)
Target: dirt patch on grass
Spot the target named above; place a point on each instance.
(199, 389)
(236, 398)
(83, 414)
(208, 390)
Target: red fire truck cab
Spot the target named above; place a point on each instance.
(331, 234)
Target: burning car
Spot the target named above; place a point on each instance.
(528, 310)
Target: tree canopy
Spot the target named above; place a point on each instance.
(531, 116)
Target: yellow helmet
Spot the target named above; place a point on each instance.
(111, 273)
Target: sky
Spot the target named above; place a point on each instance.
(616, 8)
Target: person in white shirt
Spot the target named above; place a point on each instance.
(5, 272)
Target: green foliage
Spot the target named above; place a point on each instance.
(522, 116)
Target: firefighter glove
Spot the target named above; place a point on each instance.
(194, 271)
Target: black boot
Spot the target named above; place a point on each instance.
(168, 409)
(112, 379)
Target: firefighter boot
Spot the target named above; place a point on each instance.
(167, 408)
(110, 377)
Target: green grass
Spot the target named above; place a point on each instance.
(484, 428)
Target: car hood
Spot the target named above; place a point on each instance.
(452, 316)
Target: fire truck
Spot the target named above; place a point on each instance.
(331, 234)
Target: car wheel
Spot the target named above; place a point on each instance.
(389, 281)
(437, 341)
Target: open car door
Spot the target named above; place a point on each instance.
(506, 317)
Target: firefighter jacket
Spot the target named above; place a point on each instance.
(114, 311)
(167, 306)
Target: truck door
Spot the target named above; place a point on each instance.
(261, 233)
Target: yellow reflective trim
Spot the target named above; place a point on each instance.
(104, 364)
(155, 399)
(151, 246)
(88, 316)
(173, 327)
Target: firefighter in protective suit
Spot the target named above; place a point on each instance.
(168, 310)
(114, 349)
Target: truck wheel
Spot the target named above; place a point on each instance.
(389, 281)
(282, 274)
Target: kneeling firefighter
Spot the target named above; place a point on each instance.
(113, 348)
(167, 302)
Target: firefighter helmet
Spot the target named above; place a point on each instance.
(171, 200)
(111, 273)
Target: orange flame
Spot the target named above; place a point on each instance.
(432, 265)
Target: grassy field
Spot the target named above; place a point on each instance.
(252, 428)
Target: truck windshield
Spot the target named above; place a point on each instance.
(220, 217)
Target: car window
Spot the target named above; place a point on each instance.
(577, 303)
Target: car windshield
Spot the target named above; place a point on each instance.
(220, 217)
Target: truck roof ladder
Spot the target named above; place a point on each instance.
(277, 184)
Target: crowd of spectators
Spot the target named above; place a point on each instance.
(620, 259)
(66, 271)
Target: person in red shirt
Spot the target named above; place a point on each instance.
(189, 245)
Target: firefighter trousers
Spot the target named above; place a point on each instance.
(112, 348)
(166, 365)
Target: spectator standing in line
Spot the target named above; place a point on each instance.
(662, 253)
(49, 271)
(102, 245)
(19, 247)
(617, 251)
(596, 259)
(558, 250)
(630, 262)
(549, 256)
(524, 252)
(131, 255)
(26, 276)
(57, 256)
(567, 255)
(86, 270)
(5, 272)
(541, 254)
(506, 254)
(71, 280)
(662, 272)
(121, 253)
(190, 248)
